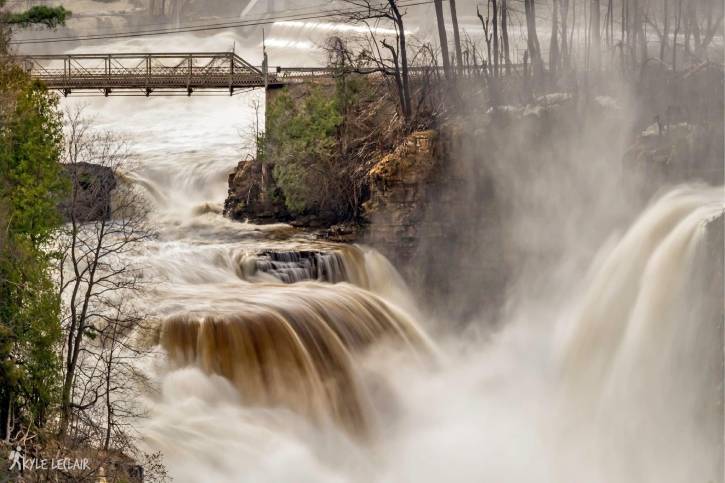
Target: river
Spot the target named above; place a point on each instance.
(344, 378)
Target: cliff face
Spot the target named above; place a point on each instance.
(436, 214)
(253, 196)
(400, 186)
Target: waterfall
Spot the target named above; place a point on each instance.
(642, 353)
(627, 389)
(295, 348)
(280, 357)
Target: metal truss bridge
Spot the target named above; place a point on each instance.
(163, 73)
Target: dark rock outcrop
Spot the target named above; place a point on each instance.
(90, 195)
(299, 265)
(667, 155)
(253, 195)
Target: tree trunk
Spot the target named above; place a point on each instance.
(456, 35)
(487, 37)
(6, 397)
(532, 40)
(665, 30)
(564, 50)
(505, 35)
(675, 34)
(595, 34)
(109, 405)
(495, 38)
(554, 43)
(405, 77)
(639, 37)
(571, 32)
(443, 38)
(623, 35)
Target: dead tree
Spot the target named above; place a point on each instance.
(564, 49)
(505, 36)
(554, 42)
(443, 38)
(595, 40)
(665, 30)
(456, 35)
(485, 24)
(495, 37)
(675, 34)
(370, 11)
(532, 40)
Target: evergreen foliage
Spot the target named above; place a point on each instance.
(30, 187)
(50, 17)
(315, 141)
(301, 141)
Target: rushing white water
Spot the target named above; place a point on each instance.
(618, 384)
(628, 392)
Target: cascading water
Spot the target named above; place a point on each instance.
(630, 377)
(282, 317)
(293, 347)
(283, 358)
(642, 355)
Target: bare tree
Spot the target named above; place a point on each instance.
(373, 11)
(495, 37)
(456, 34)
(532, 39)
(595, 38)
(675, 34)
(505, 35)
(554, 41)
(95, 273)
(485, 24)
(443, 38)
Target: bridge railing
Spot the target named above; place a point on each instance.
(147, 72)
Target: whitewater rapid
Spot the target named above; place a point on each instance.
(618, 383)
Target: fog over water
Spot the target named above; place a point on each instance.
(601, 373)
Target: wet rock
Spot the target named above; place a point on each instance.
(297, 266)
(253, 195)
(91, 191)
(343, 233)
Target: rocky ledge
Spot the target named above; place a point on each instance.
(91, 192)
(253, 195)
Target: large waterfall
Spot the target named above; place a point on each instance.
(283, 358)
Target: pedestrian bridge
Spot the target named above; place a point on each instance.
(163, 73)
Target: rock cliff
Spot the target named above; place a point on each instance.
(253, 195)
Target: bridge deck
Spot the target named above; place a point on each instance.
(145, 73)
